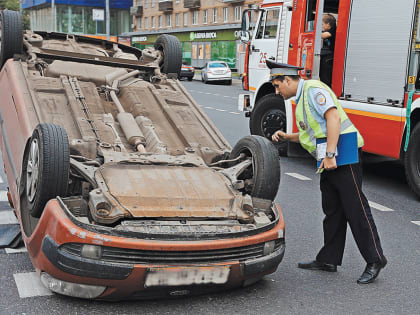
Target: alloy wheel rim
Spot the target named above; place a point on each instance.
(32, 170)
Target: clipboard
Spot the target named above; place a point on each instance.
(347, 149)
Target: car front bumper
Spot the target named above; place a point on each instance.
(124, 280)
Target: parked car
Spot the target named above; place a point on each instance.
(123, 187)
(187, 71)
(216, 71)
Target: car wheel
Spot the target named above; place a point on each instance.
(11, 35)
(170, 46)
(267, 117)
(190, 78)
(412, 160)
(46, 166)
(263, 177)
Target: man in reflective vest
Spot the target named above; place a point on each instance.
(320, 115)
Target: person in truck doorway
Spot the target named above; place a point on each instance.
(327, 50)
(319, 115)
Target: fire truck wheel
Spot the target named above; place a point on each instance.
(11, 35)
(172, 53)
(267, 117)
(262, 178)
(46, 167)
(412, 160)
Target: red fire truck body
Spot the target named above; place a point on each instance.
(375, 69)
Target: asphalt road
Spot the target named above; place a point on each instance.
(289, 290)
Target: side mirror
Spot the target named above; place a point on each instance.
(246, 17)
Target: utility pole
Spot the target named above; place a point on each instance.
(107, 19)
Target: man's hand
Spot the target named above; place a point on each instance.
(328, 164)
(279, 135)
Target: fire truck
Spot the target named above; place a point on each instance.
(375, 69)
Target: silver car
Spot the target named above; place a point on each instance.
(216, 71)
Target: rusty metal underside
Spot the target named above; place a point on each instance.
(174, 129)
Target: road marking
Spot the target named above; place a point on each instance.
(235, 113)
(1, 180)
(379, 207)
(29, 285)
(16, 250)
(416, 222)
(7, 217)
(221, 110)
(227, 96)
(208, 107)
(298, 176)
(3, 195)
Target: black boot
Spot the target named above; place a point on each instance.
(372, 271)
(317, 265)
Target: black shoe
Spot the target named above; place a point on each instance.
(317, 265)
(372, 271)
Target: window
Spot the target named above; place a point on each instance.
(225, 15)
(153, 3)
(185, 18)
(138, 22)
(177, 19)
(153, 22)
(238, 13)
(160, 20)
(146, 3)
(268, 25)
(205, 16)
(146, 22)
(195, 17)
(169, 20)
(310, 15)
(215, 15)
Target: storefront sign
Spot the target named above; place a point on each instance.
(207, 35)
(138, 39)
(98, 15)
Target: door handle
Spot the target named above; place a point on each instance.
(255, 49)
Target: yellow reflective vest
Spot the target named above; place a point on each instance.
(309, 128)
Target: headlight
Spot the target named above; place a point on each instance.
(71, 289)
(269, 247)
(91, 251)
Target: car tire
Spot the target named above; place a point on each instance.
(190, 78)
(46, 167)
(170, 46)
(412, 161)
(11, 35)
(268, 116)
(265, 170)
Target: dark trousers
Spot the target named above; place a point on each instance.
(326, 68)
(344, 202)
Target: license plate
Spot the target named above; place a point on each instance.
(176, 276)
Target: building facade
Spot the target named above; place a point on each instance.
(79, 16)
(208, 29)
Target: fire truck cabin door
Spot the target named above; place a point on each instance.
(310, 39)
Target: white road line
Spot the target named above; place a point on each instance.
(3, 195)
(379, 207)
(1, 180)
(208, 107)
(235, 113)
(7, 217)
(416, 222)
(16, 250)
(226, 96)
(298, 176)
(221, 110)
(29, 285)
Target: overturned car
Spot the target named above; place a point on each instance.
(124, 189)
